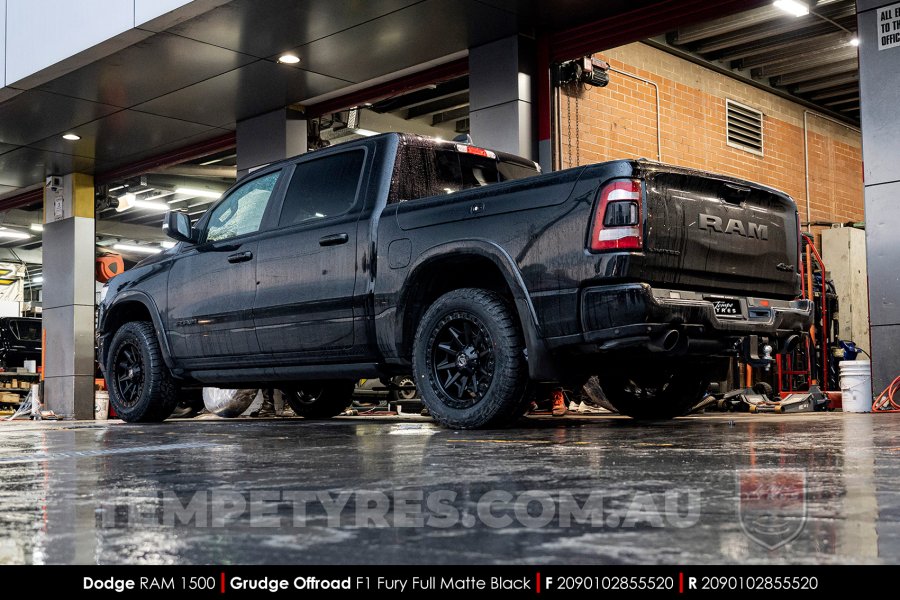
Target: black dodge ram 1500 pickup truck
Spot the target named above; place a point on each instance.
(399, 253)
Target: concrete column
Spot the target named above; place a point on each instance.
(879, 63)
(68, 246)
(500, 95)
(268, 138)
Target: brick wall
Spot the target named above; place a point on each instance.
(619, 121)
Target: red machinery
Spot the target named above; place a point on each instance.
(809, 364)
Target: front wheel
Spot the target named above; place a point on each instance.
(320, 399)
(140, 386)
(655, 393)
(469, 362)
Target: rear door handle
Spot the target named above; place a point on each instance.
(335, 239)
(240, 257)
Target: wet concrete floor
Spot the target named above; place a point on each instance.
(820, 488)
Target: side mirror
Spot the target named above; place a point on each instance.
(177, 225)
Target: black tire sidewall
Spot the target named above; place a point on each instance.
(157, 400)
(334, 398)
(504, 397)
(685, 389)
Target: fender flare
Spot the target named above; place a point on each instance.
(150, 305)
(541, 364)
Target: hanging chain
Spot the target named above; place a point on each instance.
(577, 129)
(569, 133)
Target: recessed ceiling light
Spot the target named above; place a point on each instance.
(854, 41)
(72, 137)
(798, 8)
(289, 59)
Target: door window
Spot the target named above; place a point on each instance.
(321, 188)
(242, 211)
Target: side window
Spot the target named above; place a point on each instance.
(242, 211)
(447, 174)
(423, 172)
(324, 187)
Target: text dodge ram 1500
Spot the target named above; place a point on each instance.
(467, 267)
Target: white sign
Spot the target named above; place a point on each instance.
(58, 209)
(889, 27)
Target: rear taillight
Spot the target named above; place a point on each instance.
(618, 224)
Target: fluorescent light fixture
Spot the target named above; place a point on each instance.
(289, 59)
(150, 205)
(796, 8)
(72, 137)
(854, 41)
(365, 132)
(36, 227)
(13, 235)
(167, 245)
(198, 193)
(38, 280)
(126, 201)
(137, 249)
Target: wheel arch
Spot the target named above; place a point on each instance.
(134, 306)
(478, 264)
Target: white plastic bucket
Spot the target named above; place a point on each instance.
(856, 386)
(101, 405)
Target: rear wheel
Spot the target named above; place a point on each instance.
(661, 393)
(320, 399)
(468, 360)
(140, 386)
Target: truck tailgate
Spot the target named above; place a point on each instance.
(713, 232)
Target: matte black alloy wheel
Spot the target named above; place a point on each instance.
(307, 396)
(320, 399)
(461, 356)
(129, 373)
(141, 389)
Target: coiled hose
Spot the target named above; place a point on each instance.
(885, 401)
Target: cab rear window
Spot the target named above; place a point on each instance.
(422, 172)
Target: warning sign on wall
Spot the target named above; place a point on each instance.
(889, 26)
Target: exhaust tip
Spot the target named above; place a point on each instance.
(670, 340)
(666, 341)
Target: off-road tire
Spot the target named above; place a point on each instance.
(320, 399)
(647, 393)
(482, 326)
(141, 389)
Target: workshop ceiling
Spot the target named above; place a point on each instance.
(196, 80)
(193, 82)
(812, 58)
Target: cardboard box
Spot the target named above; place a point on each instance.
(10, 398)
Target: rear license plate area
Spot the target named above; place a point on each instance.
(727, 307)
